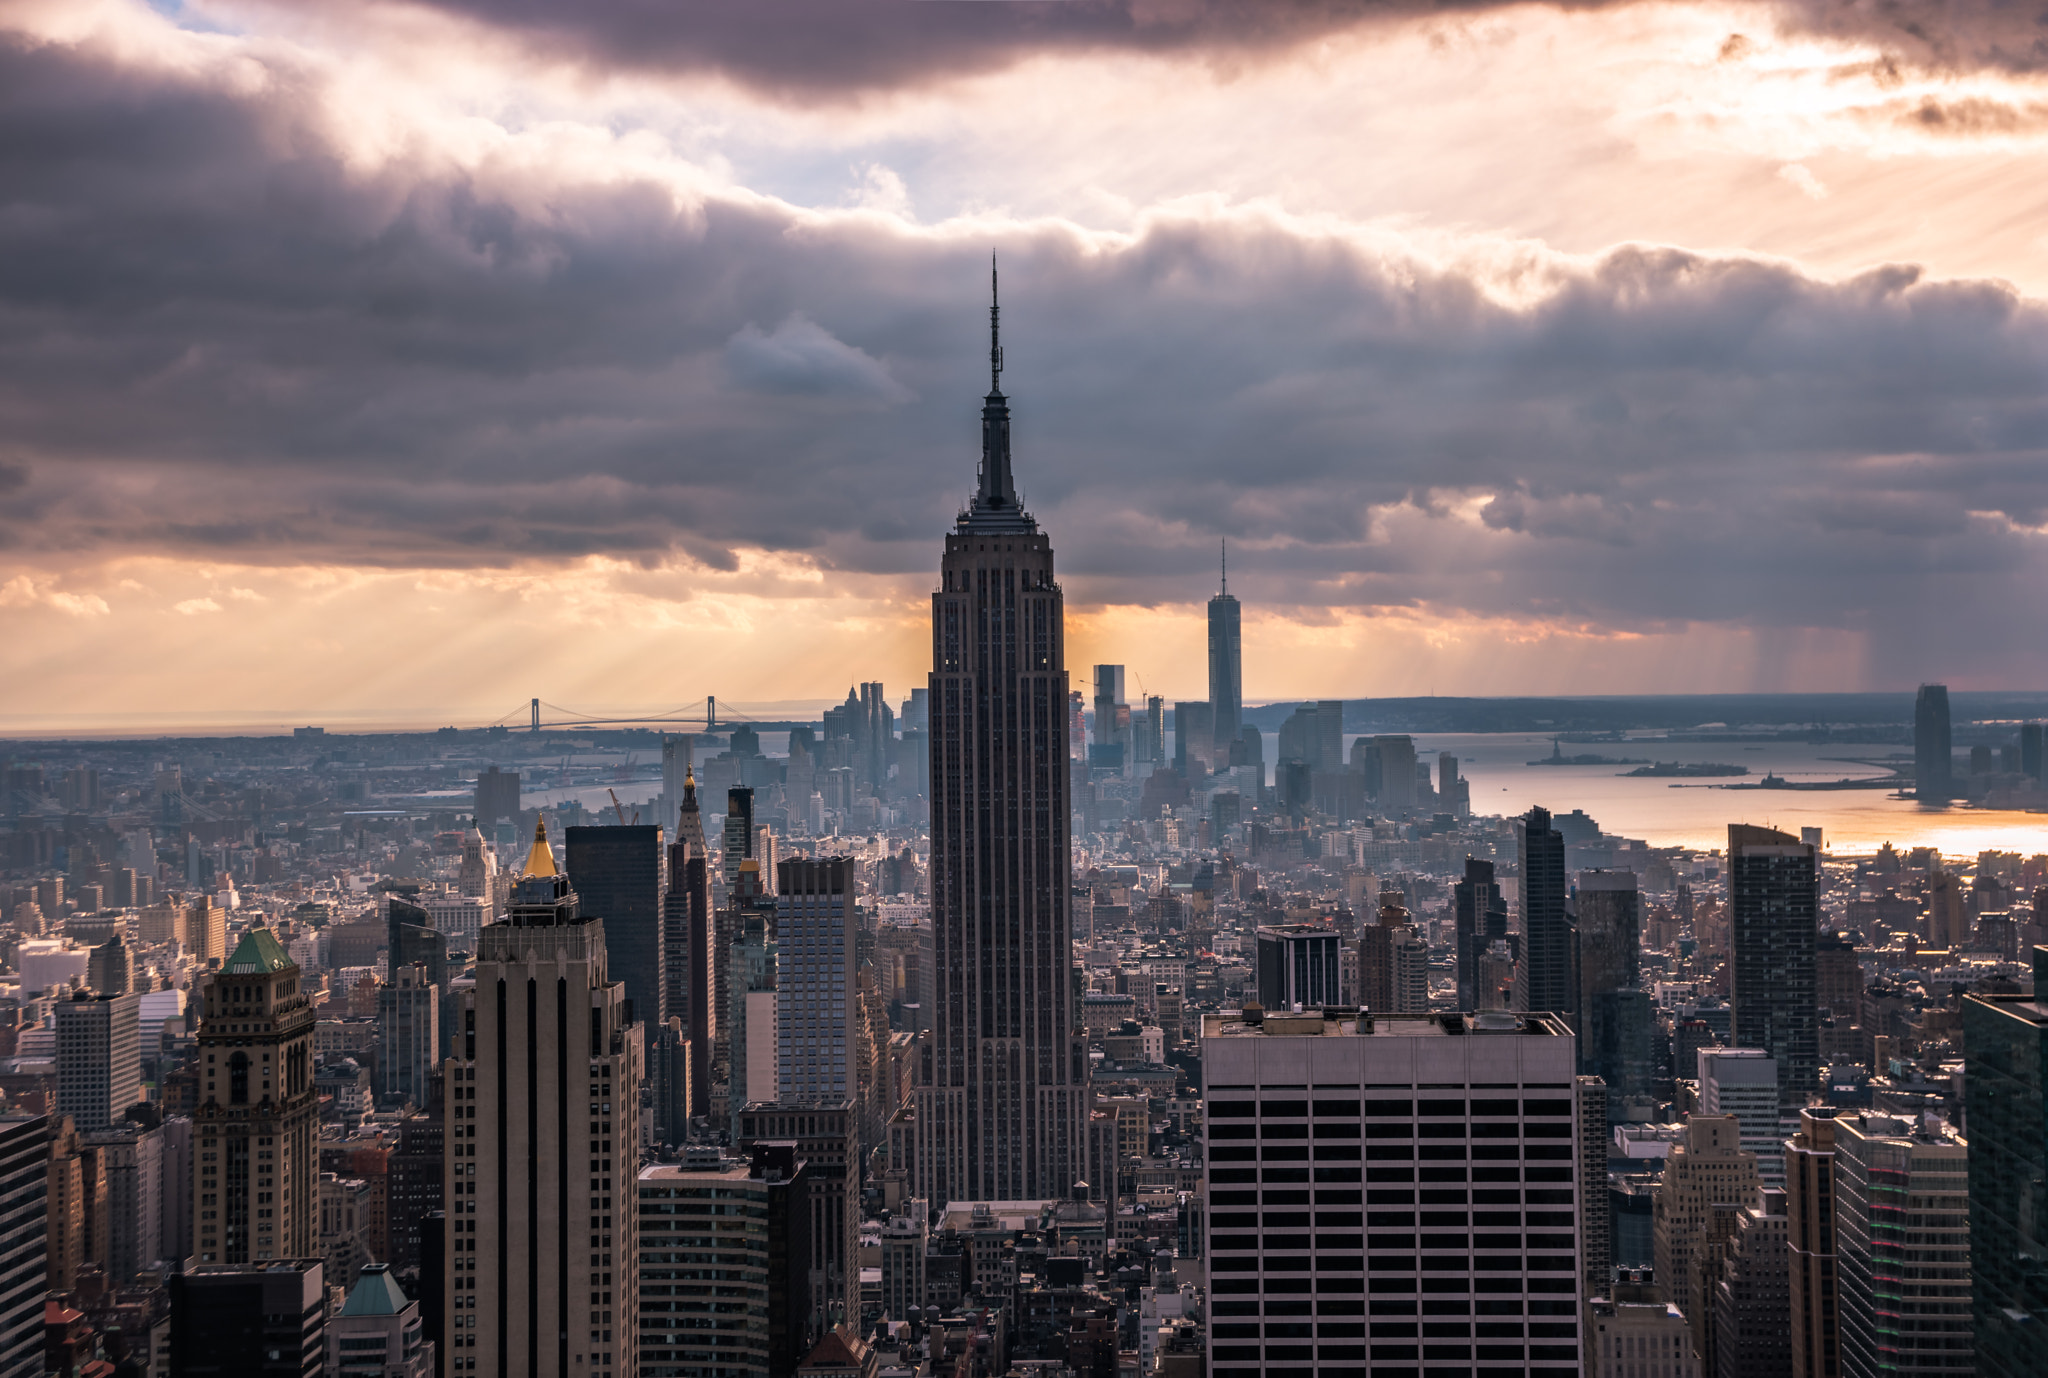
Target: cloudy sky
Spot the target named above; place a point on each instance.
(414, 359)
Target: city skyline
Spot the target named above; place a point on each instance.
(548, 828)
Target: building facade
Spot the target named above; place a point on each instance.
(2005, 1044)
(1480, 917)
(1933, 748)
(24, 1242)
(99, 1058)
(620, 875)
(1772, 938)
(1813, 1279)
(1438, 1225)
(1903, 1239)
(817, 1036)
(1002, 1112)
(1543, 978)
(542, 1147)
(1226, 669)
(255, 1165)
(1709, 1170)
(724, 1258)
(409, 1026)
(261, 1320)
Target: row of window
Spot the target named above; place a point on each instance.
(1427, 1107)
(1395, 1330)
(1291, 1241)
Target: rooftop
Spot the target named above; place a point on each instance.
(1340, 1021)
(376, 1293)
(259, 952)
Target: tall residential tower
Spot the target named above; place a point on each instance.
(1000, 1118)
(1226, 666)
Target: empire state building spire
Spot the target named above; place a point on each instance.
(995, 508)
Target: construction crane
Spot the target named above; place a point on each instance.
(617, 808)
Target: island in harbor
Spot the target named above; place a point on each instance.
(1558, 758)
(1685, 770)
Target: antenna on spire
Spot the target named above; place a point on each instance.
(995, 347)
(1223, 546)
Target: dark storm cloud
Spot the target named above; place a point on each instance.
(825, 50)
(219, 342)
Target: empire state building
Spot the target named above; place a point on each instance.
(1000, 1113)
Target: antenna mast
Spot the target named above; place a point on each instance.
(995, 347)
(1223, 546)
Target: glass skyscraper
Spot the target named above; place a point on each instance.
(1772, 932)
(1543, 981)
(1226, 669)
(2005, 1046)
(1932, 747)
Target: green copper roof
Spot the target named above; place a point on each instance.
(259, 951)
(375, 1294)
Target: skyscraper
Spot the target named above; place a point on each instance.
(409, 1028)
(1193, 738)
(1397, 775)
(543, 1144)
(1815, 1270)
(739, 831)
(2005, 1042)
(497, 795)
(817, 1039)
(1472, 1118)
(1112, 745)
(1932, 747)
(1902, 1237)
(1708, 1169)
(1481, 917)
(24, 1201)
(1298, 965)
(1543, 980)
(1743, 1082)
(254, 1166)
(1226, 666)
(1616, 1018)
(688, 946)
(99, 1058)
(620, 875)
(678, 755)
(1772, 934)
(1001, 1118)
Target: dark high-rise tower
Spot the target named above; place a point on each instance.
(1543, 980)
(1771, 929)
(1617, 1021)
(1000, 1119)
(621, 876)
(1226, 667)
(687, 945)
(1481, 917)
(1932, 747)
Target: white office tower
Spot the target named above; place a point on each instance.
(1394, 1195)
(542, 1148)
(1743, 1082)
(817, 1046)
(99, 1061)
